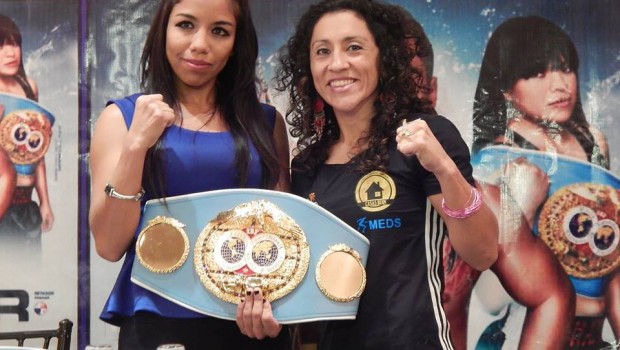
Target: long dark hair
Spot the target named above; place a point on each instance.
(236, 96)
(521, 48)
(396, 90)
(10, 35)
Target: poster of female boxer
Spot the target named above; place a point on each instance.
(566, 59)
(38, 163)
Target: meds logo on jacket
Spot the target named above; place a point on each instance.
(375, 191)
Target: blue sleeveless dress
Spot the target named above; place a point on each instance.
(194, 161)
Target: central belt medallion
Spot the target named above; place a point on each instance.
(253, 245)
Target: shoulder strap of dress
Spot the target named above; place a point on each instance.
(270, 111)
(127, 105)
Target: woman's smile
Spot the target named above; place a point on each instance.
(339, 83)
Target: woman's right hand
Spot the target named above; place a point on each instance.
(151, 117)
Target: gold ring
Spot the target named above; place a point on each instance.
(406, 133)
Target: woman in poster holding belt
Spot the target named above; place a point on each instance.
(528, 99)
(21, 219)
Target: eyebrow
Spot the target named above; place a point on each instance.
(346, 39)
(192, 17)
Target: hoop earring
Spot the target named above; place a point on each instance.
(319, 117)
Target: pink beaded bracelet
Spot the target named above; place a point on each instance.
(469, 210)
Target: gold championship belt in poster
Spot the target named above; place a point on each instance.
(579, 223)
(25, 129)
(204, 251)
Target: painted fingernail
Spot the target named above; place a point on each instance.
(249, 292)
(256, 292)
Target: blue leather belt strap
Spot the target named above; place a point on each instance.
(305, 303)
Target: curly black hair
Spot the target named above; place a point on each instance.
(397, 90)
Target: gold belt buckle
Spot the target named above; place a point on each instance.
(579, 222)
(254, 245)
(25, 135)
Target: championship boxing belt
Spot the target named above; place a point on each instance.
(204, 251)
(579, 219)
(25, 131)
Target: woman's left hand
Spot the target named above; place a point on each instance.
(416, 139)
(255, 318)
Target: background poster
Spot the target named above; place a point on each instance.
(459, 32)
(48, 279)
